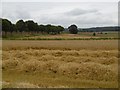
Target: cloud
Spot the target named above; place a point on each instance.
(89, 18)
(77, 12)
(23, 14)
(65, 14)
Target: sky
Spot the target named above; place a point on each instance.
(83, 14)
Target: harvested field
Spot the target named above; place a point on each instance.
(63, 45)
(64, 36)
(83, 64)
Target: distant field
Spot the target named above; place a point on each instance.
(69, 63)
(64, 36)
(65, 45)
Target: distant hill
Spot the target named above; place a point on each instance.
(99, 29)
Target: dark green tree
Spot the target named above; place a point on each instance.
(36, 26)
(32, 26)
(41, 28)
(73, 29)
(60, 29)
(6, 26)
(94, 34)
(48, 28)
(54, 30)
(13, 28)
(20, 26)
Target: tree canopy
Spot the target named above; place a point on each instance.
(73, 29)
(20, 26)
(6, 25)
(30, 26)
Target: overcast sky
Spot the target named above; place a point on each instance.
(83, 14)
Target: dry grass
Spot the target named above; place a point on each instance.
(79, 36)
(39, 64)
(64, 45)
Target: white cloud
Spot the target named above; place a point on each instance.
(77, 12)
(61, 1)
(65, 13)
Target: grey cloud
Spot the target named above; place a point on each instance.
(23, 14)
(62, 14)
(16, 15)
(77, 12)
(15, 12)
(82, 21)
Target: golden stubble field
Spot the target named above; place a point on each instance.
(66, 63)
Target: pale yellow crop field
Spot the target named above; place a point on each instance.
(69, 63)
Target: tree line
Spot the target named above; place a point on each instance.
(30, 27)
